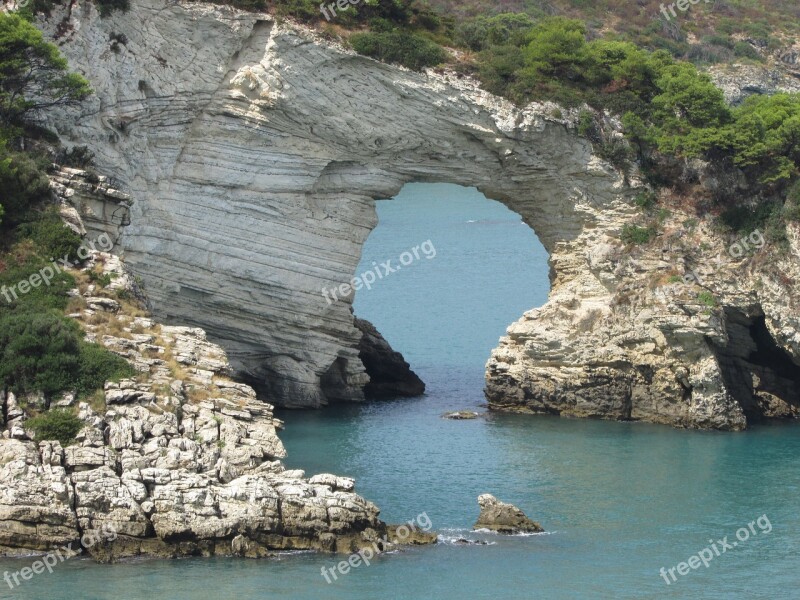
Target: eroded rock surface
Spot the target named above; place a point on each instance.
(253, 152)
(503, 517)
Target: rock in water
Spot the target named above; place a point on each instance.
(503, 518)
(461, 415)
(390, 375)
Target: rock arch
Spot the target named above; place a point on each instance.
(254, 160)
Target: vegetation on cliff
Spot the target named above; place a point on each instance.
(41, 350)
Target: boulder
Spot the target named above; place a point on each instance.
(503, 517)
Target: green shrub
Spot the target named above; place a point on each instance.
(645, 199)
(742, 219)
(98, 365)
(52, 238)
(745, 50)
(57, 424)
(719, 39)
(44, 352)
(40, 298)
(791, 209)
(503, 29)
(707, 298)
(617, 151)
(633, 234)
(588, 127)
(408, 49)
(101, 279)
(24, 183)
(78, 157)
(303, 10)
(39, 352)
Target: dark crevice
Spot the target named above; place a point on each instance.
(390, 375)
(759, 374)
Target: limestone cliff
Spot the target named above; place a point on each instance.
(253, 152)
(180, 460)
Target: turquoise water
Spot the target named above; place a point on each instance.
(618, 500)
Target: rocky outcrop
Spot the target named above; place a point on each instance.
(503, 517)
(739, 82)
(253, 160)
(461, 415)
(181, 460)
(389, 374)
(694, 332)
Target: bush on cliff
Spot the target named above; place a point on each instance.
(39, 352)
(106, 7)
(24, 183)
(45, 352)
(61, 425)
(408, 49)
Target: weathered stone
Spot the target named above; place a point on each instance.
(461, 415)
(503, 518)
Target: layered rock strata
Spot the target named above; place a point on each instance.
(253, 152)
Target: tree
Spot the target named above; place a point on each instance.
(557, 48)
(33, 74)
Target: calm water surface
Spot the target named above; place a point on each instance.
(618, 500)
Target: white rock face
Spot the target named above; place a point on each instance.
(253, 155)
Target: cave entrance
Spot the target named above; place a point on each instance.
(759, 374)
(452, 270)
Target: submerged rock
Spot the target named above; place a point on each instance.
(466, 542)
(461, 415)
(503, 518)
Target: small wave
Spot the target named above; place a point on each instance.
(459, 540)
(519, 534)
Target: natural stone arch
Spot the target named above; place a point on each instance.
(254, 159)
(254, 186)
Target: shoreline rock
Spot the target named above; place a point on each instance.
(503, 517)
